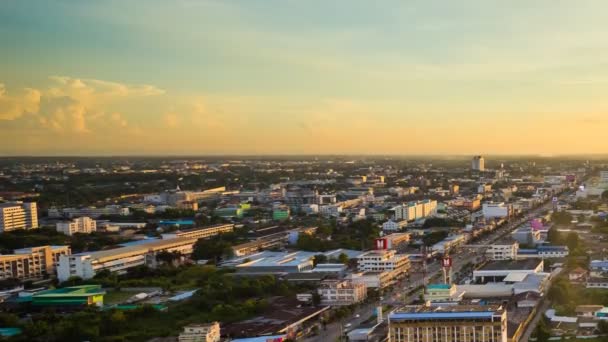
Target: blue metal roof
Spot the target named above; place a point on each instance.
(440, 315)
(439, 287)
(552, 248)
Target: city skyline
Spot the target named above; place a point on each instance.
(309, 78)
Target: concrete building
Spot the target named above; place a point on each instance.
(392, 241)
(82, 225)
(201, 232)
(208, 332)
(392, 226)
(442, 293)
(32, 263)
(527, 236)
(415, 210)
(86, 265)
(18, 215)
(451, 323)
(449, 243)
(545, 252)
(496, 210)
(341, 292)
(383, 261)
(478, 164)
(92, 212)
(506, 250)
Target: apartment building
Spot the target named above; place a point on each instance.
(209, 332)
(505, 250)
(391, 225)
(452, 323)
(383, 261)
(478, 164)
(415, 210)
(32, 263)
(201, 232)
(82, 225)
(86, 265)
(341, 292)
(18, 215)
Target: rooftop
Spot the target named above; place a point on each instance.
(507, 265)
(446, 312)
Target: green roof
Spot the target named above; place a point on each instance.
(72, 291)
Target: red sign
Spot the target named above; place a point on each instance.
(446, 262)
(381, 243)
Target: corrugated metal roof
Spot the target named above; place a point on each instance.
(440, 315)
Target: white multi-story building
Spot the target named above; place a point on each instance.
(496, 210)
(503, 251)
(330, 210)
(478, 164)
(18, 215)
(82, 225)
(86, 265)
(383, 260)
(341, 292)
(415, 210)
(391, 225)
(209, 332)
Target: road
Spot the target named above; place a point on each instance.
(395, 296)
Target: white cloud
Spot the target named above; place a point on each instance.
(13, 107)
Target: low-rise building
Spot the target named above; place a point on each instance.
(201, 232)
(86, 265)
(506, 250)
(382, 261)
(81, 225)
(452, 323)
(72, 296)
(208, 332)
(496, 210)
(391, 225)
(341, 292)
(442, 293)
(545, 252)
(497, 271)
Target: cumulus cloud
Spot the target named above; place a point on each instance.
(13, 107)
(71, 104)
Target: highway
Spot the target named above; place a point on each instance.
(395, 296)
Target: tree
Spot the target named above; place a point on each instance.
(343, 258)
(561, 217)
(319, 259)
(602, 325)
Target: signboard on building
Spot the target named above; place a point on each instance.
(446, 262)
(382, 243)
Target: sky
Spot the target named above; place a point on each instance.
(184, 77)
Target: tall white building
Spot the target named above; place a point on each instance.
(415, 210)
(83, 225)
(18, 215)
(478, 164)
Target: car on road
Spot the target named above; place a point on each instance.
(357, 316)
(347, 325)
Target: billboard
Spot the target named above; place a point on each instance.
(446, 262)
